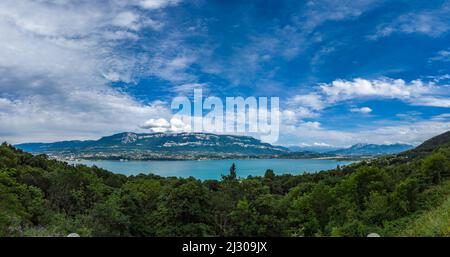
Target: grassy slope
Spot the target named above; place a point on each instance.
(435, 222)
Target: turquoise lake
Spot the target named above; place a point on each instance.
(213, 169)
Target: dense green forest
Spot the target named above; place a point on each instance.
(404, 194)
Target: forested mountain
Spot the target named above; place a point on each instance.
(168, 146)
(158, 146)
(392, 195)
(428, 146)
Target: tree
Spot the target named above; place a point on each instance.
(184, 210)
(269, 174)
(108, 218)
(244, 219)
(405, 196)
(11, 211)
(138, 200)
(435, 167)
(232, 172)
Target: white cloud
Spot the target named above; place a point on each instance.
(311, 100)
(442, 55)
(127, 19)
(361, 110)
(162, 125)
(415, 92)
(312, 124)
(321, 144)
(409, 132)
(300, 107)
(430, 22)
(5, 103)
(319, 55)
(188, 89)
(181, 62)
(56, 61)
(439, 78)
(171, 60)
(318, 12)
(294, 115)
(386, 88)
(178, 125)
(442, 117)
(159, 123)
(157, 4)
(432, 101)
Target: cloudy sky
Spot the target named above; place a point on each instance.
(345, 71)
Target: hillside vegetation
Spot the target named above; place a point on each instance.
(407, 194)
(435, 222)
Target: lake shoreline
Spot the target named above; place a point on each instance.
(336, 158)
(214, 169)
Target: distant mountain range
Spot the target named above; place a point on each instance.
(161, 146)
(158, 146)
(313, 148)
(371, 149)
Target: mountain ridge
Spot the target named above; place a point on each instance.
(372, 149)
(194, 145)
(130, 145)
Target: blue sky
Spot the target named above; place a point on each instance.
(345, 71)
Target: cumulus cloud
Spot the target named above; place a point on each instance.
(162, 125)
(409, 132)
(57, 59)
(312, 124)
(432, 101)
(415, 92)
(311, 100)
(300, 107)
(311, 105)
(156, 123)
(388, 88)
